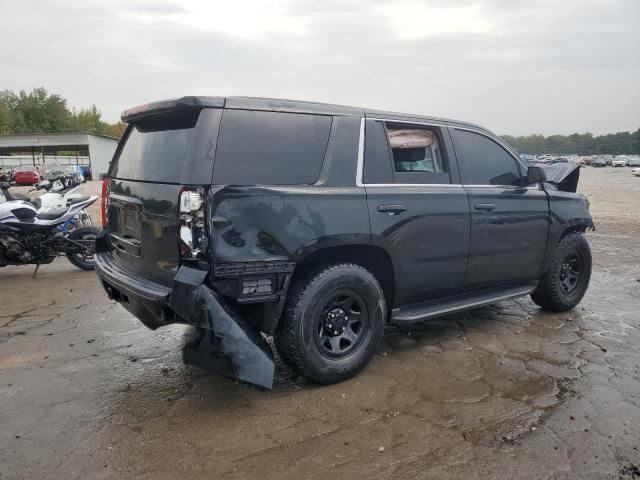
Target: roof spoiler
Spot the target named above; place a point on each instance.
(182, 103)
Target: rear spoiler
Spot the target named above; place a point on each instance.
(183, 103)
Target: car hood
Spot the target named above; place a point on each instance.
(564, 175)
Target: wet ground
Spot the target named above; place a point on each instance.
(507, 391)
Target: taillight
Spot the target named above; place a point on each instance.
(192, 238)
(104, 201)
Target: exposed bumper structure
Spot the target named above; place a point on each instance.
(220, 341)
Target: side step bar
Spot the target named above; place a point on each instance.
(437, 308)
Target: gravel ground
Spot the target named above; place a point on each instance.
(507, 391)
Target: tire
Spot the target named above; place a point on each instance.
(567, 279)
(84, 262)
(329, 295)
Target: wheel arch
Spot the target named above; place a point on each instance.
(372, 257)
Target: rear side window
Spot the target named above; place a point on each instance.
(485, 162)
(415, 150)
(160, 149)
(417, 155)
(270, 148)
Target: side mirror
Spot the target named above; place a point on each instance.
(535, 175)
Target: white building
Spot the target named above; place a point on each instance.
(95, 151)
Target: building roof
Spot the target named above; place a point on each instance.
(48, 139)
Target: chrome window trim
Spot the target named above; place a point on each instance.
(443, 185)
(360, 164)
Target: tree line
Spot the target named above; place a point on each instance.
(42, 112)
(576, 143)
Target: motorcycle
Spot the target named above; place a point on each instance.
(59, 192)
(36, 237)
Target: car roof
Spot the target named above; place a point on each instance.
(280, 104)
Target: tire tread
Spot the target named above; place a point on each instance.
(287, 334)
(548, 295)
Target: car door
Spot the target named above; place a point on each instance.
(509, 219)
(418, 210)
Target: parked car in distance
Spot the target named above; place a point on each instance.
(27, 175)
(619, 162)
(321, 224)
(598, 162)
(633, 162)
(635, 171)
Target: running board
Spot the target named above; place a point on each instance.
(437, 308)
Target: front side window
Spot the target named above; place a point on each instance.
(485, 162)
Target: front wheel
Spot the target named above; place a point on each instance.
(567, 279)
(333, 322)
(87, 237)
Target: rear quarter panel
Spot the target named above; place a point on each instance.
(251, 224)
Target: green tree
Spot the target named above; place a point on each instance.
(5, 119)
(41, 112)
(88, 120)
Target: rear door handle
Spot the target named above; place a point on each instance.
(391, 209)
(485, 206)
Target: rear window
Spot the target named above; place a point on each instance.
(270, 148)
(161, 149)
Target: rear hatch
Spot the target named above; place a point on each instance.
(160, 155)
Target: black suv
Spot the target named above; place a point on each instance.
(320, 224)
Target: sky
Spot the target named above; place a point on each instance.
(514, 66)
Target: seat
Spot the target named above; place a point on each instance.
(52, 213)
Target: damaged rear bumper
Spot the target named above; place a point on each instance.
(220, 340)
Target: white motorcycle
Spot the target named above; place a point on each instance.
(31, 236)
(59, 193)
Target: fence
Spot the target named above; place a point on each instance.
(18, 160)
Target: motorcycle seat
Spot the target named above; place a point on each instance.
(73, 201)
(52, 214)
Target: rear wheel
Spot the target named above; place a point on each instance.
(86, 236)
(333, 322)
(567, 279)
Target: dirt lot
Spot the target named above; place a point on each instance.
(507, 391)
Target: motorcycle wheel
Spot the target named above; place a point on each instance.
(84, 260)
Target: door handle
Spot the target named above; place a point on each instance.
(485, 206)
(391, 209)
